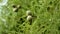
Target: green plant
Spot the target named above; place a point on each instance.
(45, 12)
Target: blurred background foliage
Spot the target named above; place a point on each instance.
(47, 20)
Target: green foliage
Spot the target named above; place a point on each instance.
(47, 20)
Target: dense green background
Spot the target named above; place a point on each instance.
(47, 20)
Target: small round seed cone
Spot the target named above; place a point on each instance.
(29, 17)
(28, 12)
(14, 9)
